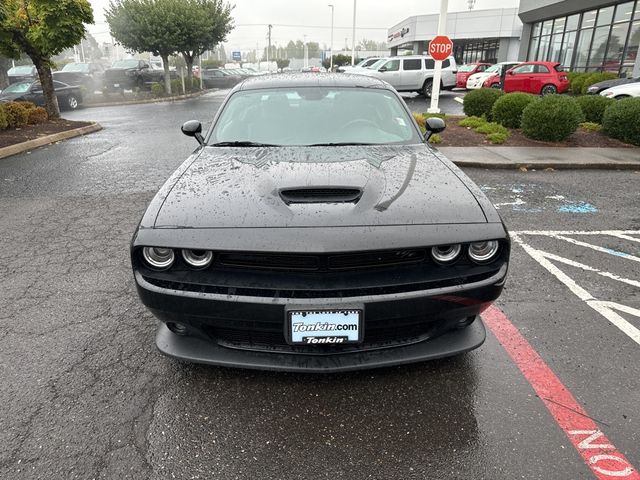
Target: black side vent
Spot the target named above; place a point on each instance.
(321, 195)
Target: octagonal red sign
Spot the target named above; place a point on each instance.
(440, 47)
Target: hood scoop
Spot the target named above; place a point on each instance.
(321, 195)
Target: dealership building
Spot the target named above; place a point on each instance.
(583, 35)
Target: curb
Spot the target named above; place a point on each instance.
(39, 142)
(546, 165)
(149, 100)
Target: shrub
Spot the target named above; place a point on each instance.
(443, 116)
(472, 122)
(551, 118)
(157, 89)
(37, 115)
(480, 102)
(595, 78)
(497, 138)
(491, 127)
(507, 110)
(577, 80)
(3, 118)
(621, 120)
(591, 127)
(435, 138)
(176, 87)
(27, 105)
(17, 114)
(593, 107)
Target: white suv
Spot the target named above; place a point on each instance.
(413, 73)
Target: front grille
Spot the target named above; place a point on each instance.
(270, 262)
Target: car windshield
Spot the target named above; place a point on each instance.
(314, 116)
(493, 69)
(76, 67)
(377, 64)
(466, 68)
(125, 64)
(17, 87)
(25, 70)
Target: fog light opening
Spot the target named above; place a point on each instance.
(177, 328)
(465, 322)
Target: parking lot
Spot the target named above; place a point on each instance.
(554, 393)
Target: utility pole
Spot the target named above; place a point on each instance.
(305, 63)
(269, 48)
(353, 35)
(331, 46)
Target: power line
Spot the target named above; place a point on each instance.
(307, 26)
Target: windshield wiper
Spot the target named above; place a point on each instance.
(243, 143)
(338, 144)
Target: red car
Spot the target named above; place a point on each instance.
(465, 71)
(539, 78)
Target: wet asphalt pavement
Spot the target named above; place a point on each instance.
(86, 395)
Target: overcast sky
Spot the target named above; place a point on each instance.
(291, 19)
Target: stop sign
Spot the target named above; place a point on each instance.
(440, 47)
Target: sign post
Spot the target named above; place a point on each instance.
(440, 48)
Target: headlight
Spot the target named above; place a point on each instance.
(158, 257)
(445, 253)
(197, 258)
(483, 252)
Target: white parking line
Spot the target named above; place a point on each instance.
(459, 100)
(597, 248)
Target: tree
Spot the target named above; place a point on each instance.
(204, 24)
(42, 29)
(282, 63)
(4, 78)
(147, 26)
(338, 61)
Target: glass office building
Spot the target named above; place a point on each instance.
(605, 37)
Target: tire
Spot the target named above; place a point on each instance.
(620, 97)
(140, 83)
(549, 89)
(496, 85)
(72, 102)
(426, 87)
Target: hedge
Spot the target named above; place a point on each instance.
(17, 114)
(593, 107)
(478, 103)
(620, 120)
(507, 110)
(551, 118)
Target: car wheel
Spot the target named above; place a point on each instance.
(72, 102)
(140, 83)
(620, 97)
(495, 85)
(426, 88)
(548, 90)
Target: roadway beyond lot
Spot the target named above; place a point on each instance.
(86, 395)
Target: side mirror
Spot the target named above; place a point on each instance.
(382, 69)
(510, 72)
(193, 128)
(434, 125)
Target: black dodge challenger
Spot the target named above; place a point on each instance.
(314, 229)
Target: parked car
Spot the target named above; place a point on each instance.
(311, 70)
(88, 75)
(218, 78)
(69, 97)
(315, 229)
(492, 74)
(129, 74)
(465, 71)
(367, 62)
(22, 73)
(538, 78)
(622, 91)
(596, 88)
(412, 73)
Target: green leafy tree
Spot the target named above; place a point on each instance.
(148, 26)
(282, 63)
(338, 61)
(204, 24)
(4, 67)
(42, 29)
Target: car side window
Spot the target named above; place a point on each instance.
(392, 65)
(411, 64)
(446, 63)
(429, 63)
(482, 68)
(523, 69)
(541, 69)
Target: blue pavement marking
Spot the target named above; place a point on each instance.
(577, 207)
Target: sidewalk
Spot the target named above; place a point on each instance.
(544, 157)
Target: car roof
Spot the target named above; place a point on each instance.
(284, 80)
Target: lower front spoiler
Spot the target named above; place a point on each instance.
(197, 350)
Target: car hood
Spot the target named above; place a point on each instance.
(241, 187)
(481, 76)
(10, 96)
(611, 83)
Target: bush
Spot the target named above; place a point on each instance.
(497, 138)
(577, 80)
(157, 89)
(596, 77)
(622, 120)
(3, 118)
(420, 120)
(435, 138)
(472, 122)
(480, 102)
(593, 107)
(37, 115)
(491, 127)
(176, 87)
(17, 114)
(27, 105)
(443, 116)
(507, 110)
(591, 127)
(551, 118)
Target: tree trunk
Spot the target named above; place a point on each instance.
(167, 74)
(46, 79)
(4, 78)
(188, 59)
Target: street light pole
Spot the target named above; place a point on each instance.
(353, 35)
(305, 53)
(437, 74)
(269, 49)
(331, 45)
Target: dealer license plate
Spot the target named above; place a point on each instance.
(325, 327)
